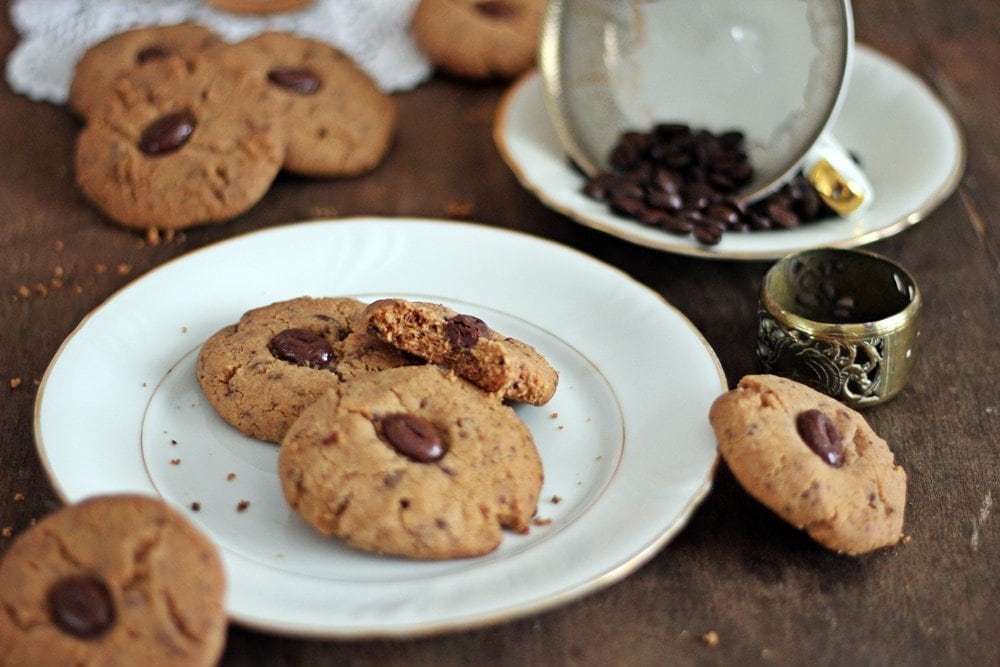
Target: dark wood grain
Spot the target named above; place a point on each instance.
(771, 595)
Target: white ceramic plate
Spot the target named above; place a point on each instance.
(626, 444)
(909, 145)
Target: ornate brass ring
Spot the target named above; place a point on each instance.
(844, 322)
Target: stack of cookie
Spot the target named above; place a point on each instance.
(393, 419)
(183, 129)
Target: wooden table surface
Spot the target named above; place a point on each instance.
(769, 593)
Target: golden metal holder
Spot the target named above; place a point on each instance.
(838, 192)
(844, 322)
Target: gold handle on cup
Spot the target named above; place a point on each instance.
(838, 192)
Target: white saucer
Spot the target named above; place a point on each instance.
(908, 143)
(626, 445)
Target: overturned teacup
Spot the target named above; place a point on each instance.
(775, 70)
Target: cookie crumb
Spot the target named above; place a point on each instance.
(196, 506)
(242, 505)
(554, 415)
(123, 269)
(907, 538)
(173, 442)
(184, 329)
(539, 521)
(7, 531)
(24, 291)
(324, 212)
(710, 638)
(57, 271)
(460, 209)
(15, 382)
(556, 500)
(175, 462)
(60, 245)
(230, 477)
(41, 289)
(100, 268)
(18, 497)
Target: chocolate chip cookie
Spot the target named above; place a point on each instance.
(102, 64)
(479, 39)
(498, 364)
(261, 372)
(180, 143)
(112, 580)
(411, 461)
(338, 121)
(812, 460)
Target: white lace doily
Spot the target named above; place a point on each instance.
(55, 33)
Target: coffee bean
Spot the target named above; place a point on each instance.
(668, 181)
(821, 435)
(782, 216)
(464, 330)
(689, 175)
(301, 347)
(668, 201)
(414, 437)
(724, 212)
(652, 217)
(297, 80)
(677, 225)
(707, 235)
(82, 606)
(168, 133)
(627, 206)
(731, 139)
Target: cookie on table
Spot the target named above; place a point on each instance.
(812, 460)
(498, 364)
(479, 39)
(112, 580)
(260, 373)
(178, 144)
(258, 6)
(412, 461)
(102, 64)
(339, 122)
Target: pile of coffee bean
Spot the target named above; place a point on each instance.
(684, 181)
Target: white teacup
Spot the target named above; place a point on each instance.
(776, 70)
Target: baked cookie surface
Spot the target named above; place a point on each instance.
(813, 461)
(338, 121)
(112, 580)
(261, 372)
(414, 462)
(498, 364)
(180, 143)
(479, 39)
(102, 64)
